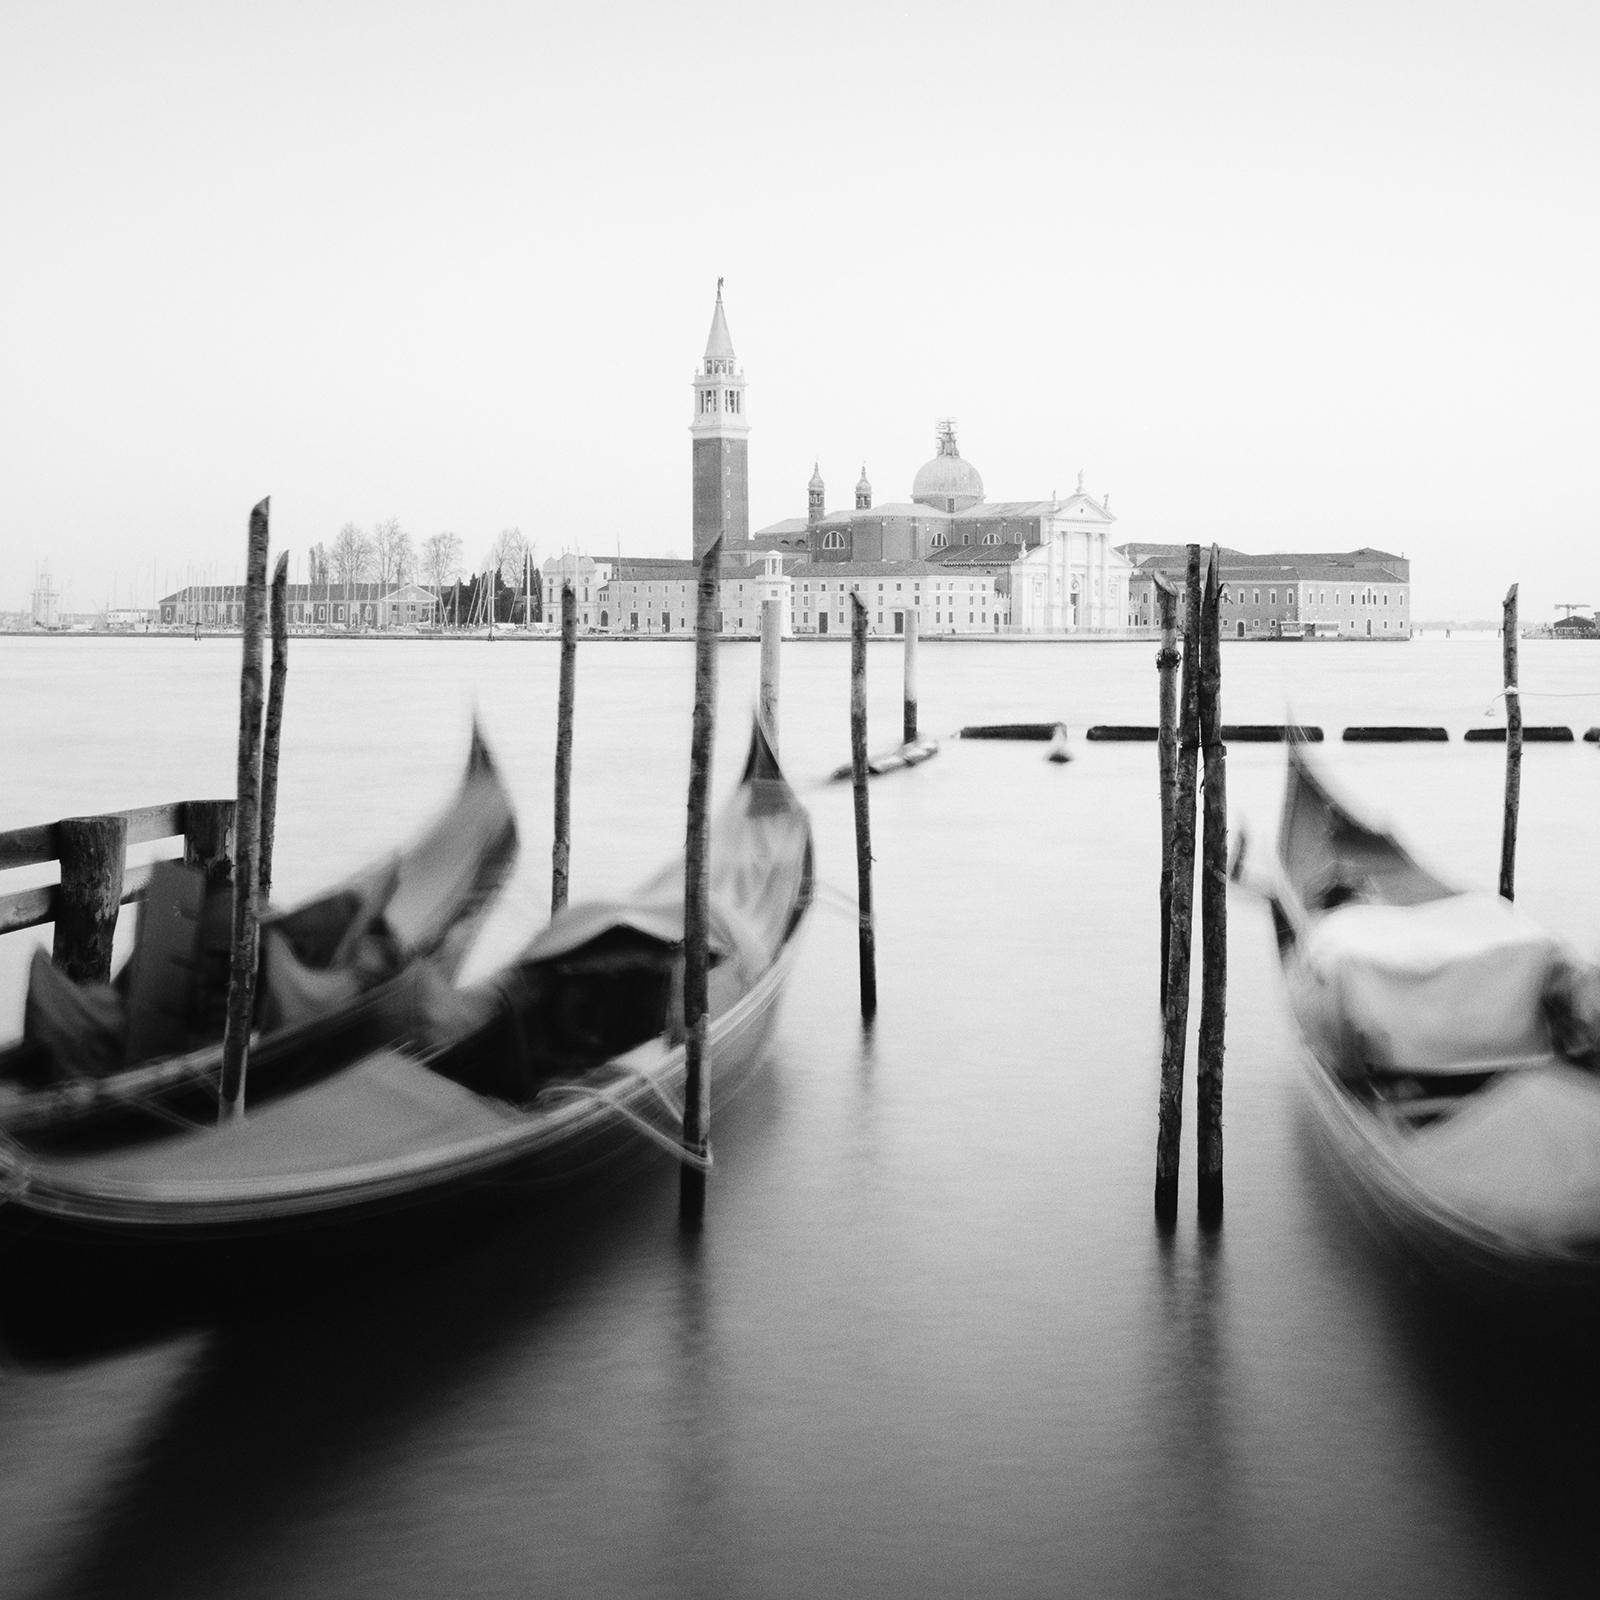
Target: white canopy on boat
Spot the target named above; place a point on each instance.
(1452, 985)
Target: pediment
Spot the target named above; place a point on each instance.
(1086, 509)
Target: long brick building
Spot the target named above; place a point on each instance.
(1352, 594)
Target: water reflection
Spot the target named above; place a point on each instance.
(1510, 1384)
(283, 1422)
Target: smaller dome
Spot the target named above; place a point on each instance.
(816, 476)
(862, 486)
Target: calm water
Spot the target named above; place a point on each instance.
(930, 1341)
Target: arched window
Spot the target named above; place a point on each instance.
(939, 540)
(833, 541)
(991, 538)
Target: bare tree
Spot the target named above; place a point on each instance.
(351, 555)
(440, 563)
(393, 559)
(506, 555)
(508, 558)
(318, 558)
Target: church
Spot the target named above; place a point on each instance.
(963, 565)
(1052, 563)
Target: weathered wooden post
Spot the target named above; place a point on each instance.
(1175, 1020)
(274, 735)
(93, 851)
(1167, 659)
(208, 839)
(771, 637)
(908, 730)
(247, 825)
(858, 774)
(696, 897)
(1213, 904)
(1508, 825)
(561, 850)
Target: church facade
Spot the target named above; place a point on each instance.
(1051, 563)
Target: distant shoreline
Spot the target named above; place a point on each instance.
(1129, 636)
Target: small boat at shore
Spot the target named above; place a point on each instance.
(569, 1056)
(150, 1042)
(1453, 1049)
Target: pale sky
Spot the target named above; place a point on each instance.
(1275, 275)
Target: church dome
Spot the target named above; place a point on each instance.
(947, 482)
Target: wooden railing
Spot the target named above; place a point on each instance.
(95, 877)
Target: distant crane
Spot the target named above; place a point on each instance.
(1576, 605)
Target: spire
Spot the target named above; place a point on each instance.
(719, 345)
(814, 496)
(863, 491)
(816, 475)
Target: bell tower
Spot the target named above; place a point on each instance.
(815, 492)
(720, 444)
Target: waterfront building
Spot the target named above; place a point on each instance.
(1050, 562)
(128, 619)
(660, 594)
(1353, 594)
(943, 600)
(336, 606)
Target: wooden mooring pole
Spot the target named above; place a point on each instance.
(93, 851)
(908, 731)
(274, 734)
(771, 638)
(1175, 1008)
(1167, 659)
(561, 848)
(696, 898)
(1213, 904)
(1508, 824)
(247, 825)
(858, 775)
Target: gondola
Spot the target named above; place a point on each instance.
(1453, 1051)
(566, 1058)
(149, 1044)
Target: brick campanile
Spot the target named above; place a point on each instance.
(720, 444)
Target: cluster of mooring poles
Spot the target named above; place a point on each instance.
(257, 792)
(1191, 729)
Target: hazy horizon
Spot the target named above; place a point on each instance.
(1307, 278)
